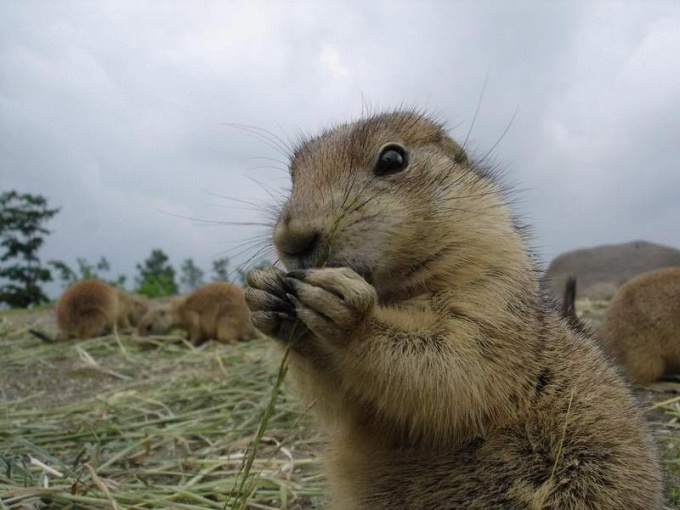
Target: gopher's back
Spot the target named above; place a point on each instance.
(641, 326)
(88, 308)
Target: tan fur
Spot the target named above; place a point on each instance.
(90, 308)
(214, 311)
(440, 375)
(641, 327)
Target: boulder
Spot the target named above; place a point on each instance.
(601, 270)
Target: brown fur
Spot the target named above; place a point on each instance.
(90, 308)
(569, 309)
(441, 376)
(569, 301)
(641, 327)
(214, 311)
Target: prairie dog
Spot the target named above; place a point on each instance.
(90, 308)
(641, 326)
(214, 311)
(569, 302)
(568, 309)
(441, 376)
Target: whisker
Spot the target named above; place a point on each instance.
(244, 248)
(505, 131)
(219, 223)
(479, 105)
(272, 192)
(274, 140)
(261, 253)
(362, 219)
(264, 207)
(213, 222)
(266, 167)
(263, 158)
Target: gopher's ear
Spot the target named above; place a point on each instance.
(450, 145)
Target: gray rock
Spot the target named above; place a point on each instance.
(601, 270)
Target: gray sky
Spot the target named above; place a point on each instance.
(122, 113)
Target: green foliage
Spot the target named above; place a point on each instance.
(86, 270)
(22, 234)
(191, 275)
(156, 276)
(221, 269)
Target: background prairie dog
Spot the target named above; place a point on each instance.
(214, 311)
(569, 303)
(641, 327)
(90, 308)
(440, 374)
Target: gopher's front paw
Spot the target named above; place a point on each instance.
(271, 311)
(331, 302)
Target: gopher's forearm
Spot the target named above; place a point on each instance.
(421, 373)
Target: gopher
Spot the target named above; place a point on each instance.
(214, 311)
(568, 310)
(442, 376)
(641, 326)
(569, 302)
(90, 308)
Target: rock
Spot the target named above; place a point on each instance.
(601, 270)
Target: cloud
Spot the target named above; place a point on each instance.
(133, 116)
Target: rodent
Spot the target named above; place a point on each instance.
(568, 312)
(90, 308)
(569, 303)
(440, 374)
(214, 311)
(641, 326)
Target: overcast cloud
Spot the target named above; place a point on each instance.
(120, 112)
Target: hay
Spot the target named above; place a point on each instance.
(118, 423)
(115, 423)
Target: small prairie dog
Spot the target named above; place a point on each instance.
(90, 308)
(440, 374)
(214, 311)
(641, 326)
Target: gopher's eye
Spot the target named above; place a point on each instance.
(392, 159)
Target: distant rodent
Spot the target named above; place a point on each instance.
(569, 303)
(90, 308)
(568, 312)
(214, 311)
(442, 377)
(641, 326)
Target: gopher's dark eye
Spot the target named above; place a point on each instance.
(392, 159)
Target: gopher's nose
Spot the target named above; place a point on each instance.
(299, 243)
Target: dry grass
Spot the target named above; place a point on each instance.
(113, 423)
(147, 426)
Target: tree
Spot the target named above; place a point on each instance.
(156, 276)
(85, 270)
(221, 269)
(22, 234)
(191, 275)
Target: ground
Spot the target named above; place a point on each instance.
(117, 423)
